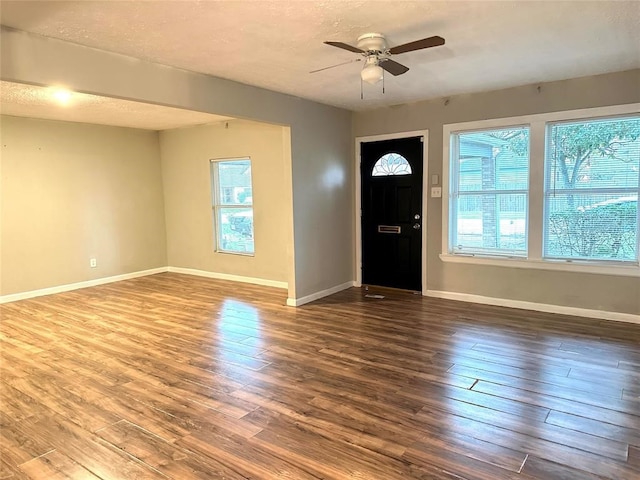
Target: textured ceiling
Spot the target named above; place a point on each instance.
(276, 43)
(38, 102)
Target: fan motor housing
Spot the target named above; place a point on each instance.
(372, 42)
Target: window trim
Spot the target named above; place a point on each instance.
(538, 125)
(216, 205)
(499, 253)
(578, 191)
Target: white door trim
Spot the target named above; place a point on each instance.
(425, 188)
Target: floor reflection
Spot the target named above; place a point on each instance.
(238, 340)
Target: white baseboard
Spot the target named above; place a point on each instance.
(296, 302)
(539, 307)
(226, 276)
(75, 286)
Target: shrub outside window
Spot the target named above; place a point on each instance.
(233, 205)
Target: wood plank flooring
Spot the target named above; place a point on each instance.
(180, 377)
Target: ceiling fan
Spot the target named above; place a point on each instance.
(373, 47)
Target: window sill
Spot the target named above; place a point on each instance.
(602, 268)
(231, 252)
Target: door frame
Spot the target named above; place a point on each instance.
(425, 195)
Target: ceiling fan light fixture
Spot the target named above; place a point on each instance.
(373, 47)
(372, 73)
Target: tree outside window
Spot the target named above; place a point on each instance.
(591, 192)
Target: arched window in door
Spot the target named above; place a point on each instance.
(391, 164)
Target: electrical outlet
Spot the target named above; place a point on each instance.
(436, 192)
(93, 263)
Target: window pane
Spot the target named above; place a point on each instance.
(490, 172)
(391, 164)
(491, 223)
(233, 206)
(235, 232)
(591, 196)
(493, 160)
(235, 182)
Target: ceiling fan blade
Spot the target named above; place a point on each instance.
(345, 46)
(394, 68)
(417, 45)
(337, 65)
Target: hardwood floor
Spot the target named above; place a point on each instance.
(172, 376)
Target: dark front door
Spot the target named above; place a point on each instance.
(391, 179)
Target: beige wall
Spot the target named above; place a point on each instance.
(185, 157)
(601, 292)
(73, 191)
(320, 224)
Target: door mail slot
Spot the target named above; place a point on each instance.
(389, 229)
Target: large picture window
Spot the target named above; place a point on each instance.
(489, 190)
(557, 190)
(232, 205)
(591, 190)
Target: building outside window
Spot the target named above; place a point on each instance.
(489, 190)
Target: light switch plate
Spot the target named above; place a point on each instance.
(436, 192)
(435, 179)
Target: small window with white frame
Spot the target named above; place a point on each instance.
(489, 191)
(232, 202)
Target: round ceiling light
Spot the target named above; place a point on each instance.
(372, 72)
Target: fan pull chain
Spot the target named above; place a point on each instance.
(361, 90)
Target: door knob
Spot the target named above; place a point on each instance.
(416, 226)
